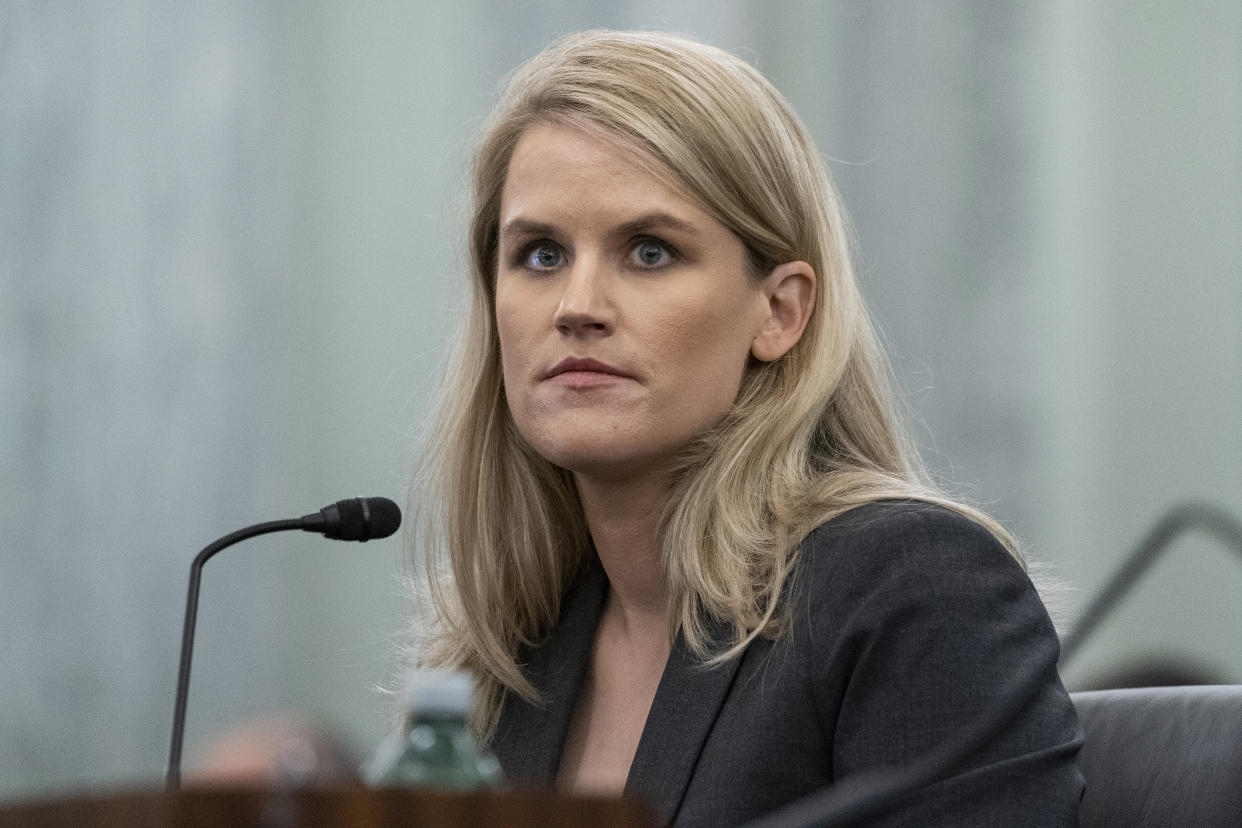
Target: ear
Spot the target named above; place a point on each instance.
(790, 293)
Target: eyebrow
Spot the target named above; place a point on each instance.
(525, 227)
(655, 221)
(650, 222)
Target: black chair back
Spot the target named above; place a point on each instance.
(1162, 756)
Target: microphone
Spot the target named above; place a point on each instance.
(356, 519)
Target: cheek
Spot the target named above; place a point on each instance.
(709, 346)
(721, 330)
(509, 328)
(517, 333)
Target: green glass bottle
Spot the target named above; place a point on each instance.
(433, 747)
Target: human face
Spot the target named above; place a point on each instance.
(625, 312)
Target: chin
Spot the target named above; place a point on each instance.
(582, 459)
(604, 445)
(597, 454)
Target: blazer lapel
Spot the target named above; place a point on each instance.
(530, 738)
(683, 712)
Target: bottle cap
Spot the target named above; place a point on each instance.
(443, 692)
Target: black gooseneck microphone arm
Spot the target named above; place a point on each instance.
(173, 779)
(358, 519)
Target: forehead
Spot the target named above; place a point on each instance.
(567, 171)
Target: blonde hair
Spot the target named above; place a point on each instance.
(811, 435)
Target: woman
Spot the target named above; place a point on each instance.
(688, 552)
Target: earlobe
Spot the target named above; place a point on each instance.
(790, 294)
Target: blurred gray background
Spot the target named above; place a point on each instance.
(229, 260)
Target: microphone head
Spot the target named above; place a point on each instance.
(360, 519)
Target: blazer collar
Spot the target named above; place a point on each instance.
(530, 738)
(686, 706)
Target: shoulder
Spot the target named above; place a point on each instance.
(906, 540)
(914, 570)
(912, 619)
(893, 525)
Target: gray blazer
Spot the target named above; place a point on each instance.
(906, 622)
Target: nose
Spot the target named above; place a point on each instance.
(585, 308)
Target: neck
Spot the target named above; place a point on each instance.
(623, 518)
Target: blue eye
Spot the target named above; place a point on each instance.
(651, 253)
(542, 256)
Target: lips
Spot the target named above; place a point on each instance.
(577, 365)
